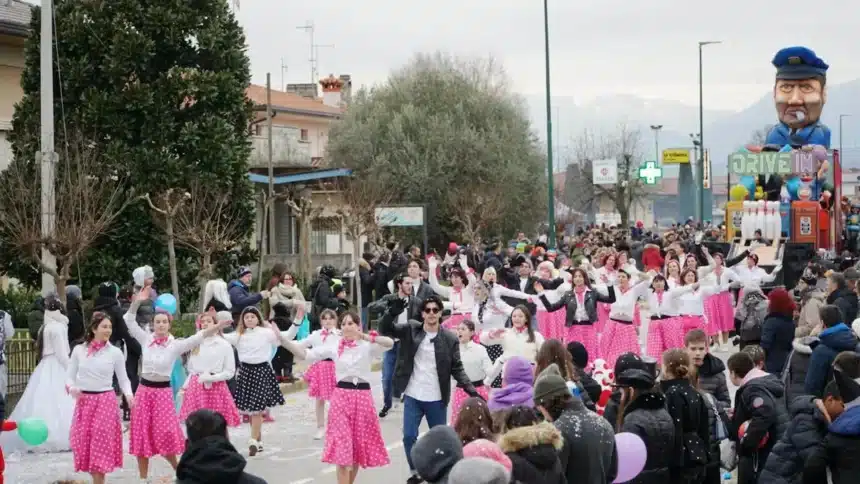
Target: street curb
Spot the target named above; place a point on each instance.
(300, 384)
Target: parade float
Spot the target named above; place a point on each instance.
(788, 188)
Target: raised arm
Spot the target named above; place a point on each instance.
(507, 292)
(554, 306)
(768, 278)
(441, 290)
(134, 329)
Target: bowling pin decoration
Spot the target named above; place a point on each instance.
(760, 218)
(771, 231)
(777, 220)
(745, 219)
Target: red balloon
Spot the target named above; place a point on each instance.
(742, 430)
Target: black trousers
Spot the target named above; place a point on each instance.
(282, 363)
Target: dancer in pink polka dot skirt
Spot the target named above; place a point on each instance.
(210, 365)
(619, 335)
(96, 433)
(460, 294)
(321, 375)
(691, 309)
(353, 437)
(477, 364)
(155, 426)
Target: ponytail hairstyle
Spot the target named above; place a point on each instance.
(676, 361)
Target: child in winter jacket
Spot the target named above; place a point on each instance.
(837, 454)
(810, 418)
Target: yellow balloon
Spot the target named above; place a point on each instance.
(759, 192)
(738, 193)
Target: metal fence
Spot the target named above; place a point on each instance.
(21, 359)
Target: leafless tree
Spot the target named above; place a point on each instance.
(302, 206)
(360, 196)
(759, 136)
(476, 210)
(624, 145)
(208, 224)
(88, 201)
(166, 207)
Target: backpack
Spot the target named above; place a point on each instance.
(752, 315)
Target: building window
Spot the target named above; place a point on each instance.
(303, 136)
(326, 235)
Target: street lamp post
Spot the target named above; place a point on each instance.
(657, 128)
(549, 167)
(841, 154)
(700, 171)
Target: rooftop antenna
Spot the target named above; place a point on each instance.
(309, 28)
(283, 75)
(316, 59)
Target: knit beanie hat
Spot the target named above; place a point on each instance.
(549, 384)
(224, 316)
(436, 452)
(518, 370)
(578, 353)
(489, 450)
(108, 289)
(479, 470)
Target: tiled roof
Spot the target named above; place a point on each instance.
(15, 12)
(291, 101)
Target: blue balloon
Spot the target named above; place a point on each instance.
(743, 149)
(166, 302)
(748, 182)
(785, 149)
(793, 186)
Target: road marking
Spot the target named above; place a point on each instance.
(303, 481)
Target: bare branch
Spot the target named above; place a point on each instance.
(207, 222)
(360, 196)
(476, 210)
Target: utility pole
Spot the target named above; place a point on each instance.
(309, 28)
(47, 157)
(700, 172)
(270, 239)
(549, 175)
(657, 128)
(283, 75)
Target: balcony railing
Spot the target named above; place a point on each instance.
(288, 150)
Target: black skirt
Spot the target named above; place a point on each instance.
(257, 389)
(494, 352)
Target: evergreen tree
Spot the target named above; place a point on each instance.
(160, 84)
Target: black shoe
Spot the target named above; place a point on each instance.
(414, 480)
(384, 412)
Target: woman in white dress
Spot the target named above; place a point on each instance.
(46, 397)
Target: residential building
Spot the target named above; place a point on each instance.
(14, 28)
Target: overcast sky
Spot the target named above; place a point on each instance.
(598, 47)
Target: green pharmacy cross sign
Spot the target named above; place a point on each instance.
(650, 173)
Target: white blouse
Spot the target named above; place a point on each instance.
(515, 343)
(255, 345)
(462, 300)
(603, 275)
(55, 337)
(692, 303)
(213, 358)
(725, 276)
(354, 363)
(95, 372)
(662, 306)
(496, 311)
(755, 276)
(476, 361)
(323, 337)
(158, 358)
(553, 295)
(624, 306)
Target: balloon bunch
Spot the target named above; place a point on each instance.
(605, 377)
(794, 187)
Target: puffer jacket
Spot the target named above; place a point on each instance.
(798, 362)
(809, 322)
(647, 417)
(761, 401)
(838, 452)
(692, 433)
(788, 457)
(712, 379)
(533, 451)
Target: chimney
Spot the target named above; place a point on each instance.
(331, 87)
(346, 90)
(308, 90)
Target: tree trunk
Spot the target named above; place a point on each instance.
(203, 277)
(171, 259)
(356, 260)
(305, 260)
(60, 282)
(264, 245)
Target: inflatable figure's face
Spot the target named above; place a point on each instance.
(799, 102)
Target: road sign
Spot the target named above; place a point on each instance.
(650, 173)
(676, 155)
(604, 172)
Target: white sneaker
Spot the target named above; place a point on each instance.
(320, 434)
(253, 447)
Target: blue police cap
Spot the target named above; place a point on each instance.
(794, 63)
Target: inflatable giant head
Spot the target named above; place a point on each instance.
(800, 89)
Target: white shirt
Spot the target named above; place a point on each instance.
(323, 338)
(158, 359)
(424, 382)
(94, 373)
(353, 364)
(476, 361)
(462, 300)
(55, 337)
(255, 345)
(624, 306)
(606, 276)
(214, 358)
(515, 343)
(496, 311)
(691, 303)
(662, 306)
(726, 276)
(755, 276)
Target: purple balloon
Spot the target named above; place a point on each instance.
(631, 456)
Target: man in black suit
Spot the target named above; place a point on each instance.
(524, 281)
(429, 357)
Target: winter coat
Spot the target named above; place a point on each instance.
(213, 460)
(692, 434)
(777, 335)
(712, 379)
(788, 457)
(798, 364)
(533, 451)
(751, 313)
(365, 275)
(809, 322)
(77, 329)
(289, 296)
(119, 336)
(647, 417)
(846, 300)
(592, 388)
(761, 401)
(588, 455)
(241, 297)
(610, 413)
(838, 452)
(832, 341)
(713, 441)
(36, 317)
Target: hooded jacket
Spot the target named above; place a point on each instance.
(692, 430)
(809, 322)
(712, 379)
(788, 457)
(777, 335)
(761, 401)
(832, 341)
(588, 454)
(846, 300)
(533, 451)
(838, 452)
(798, 364)
(647, 417)
(241, 297)
(213, 460)
(518, 388)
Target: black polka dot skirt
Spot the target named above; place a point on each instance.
(494, 352)
(257, 389)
